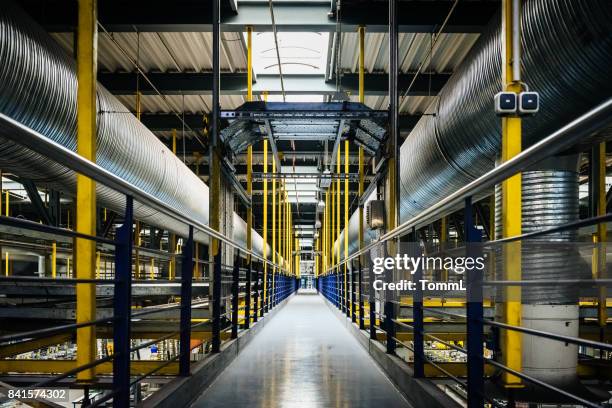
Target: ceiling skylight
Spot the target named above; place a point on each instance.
(300, 53)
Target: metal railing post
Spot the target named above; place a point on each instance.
(361, 305)
(372, 305)
(216, 317)
(185, 323)
(247, 301)
(122, 308)
(475, 361)
(417, 315)
(390, 326)
(235, 279)
(352, 294)
(256, 298)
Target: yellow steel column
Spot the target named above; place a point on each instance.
(332, 223)
(511, 213)
(288, 231)
(264, 231)
(361, 151)
(346, 212)
(601, 237)
(54, 260)
(7, 207)
(281, 254)
(85, 250)
(250, 148)
(338, 189)
(273, 220)
(324, 233)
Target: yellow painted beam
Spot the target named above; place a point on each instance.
(264, 231)
(86, 189)
(332, 232)
(511, 341)
(338, 189)
(250, 147)
(61, 366)
(54, 260)
(274, 216)
(346, 214)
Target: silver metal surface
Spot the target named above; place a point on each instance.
(302, 358)
(566, 47)
(39, 91)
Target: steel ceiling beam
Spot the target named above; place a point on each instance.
(167, 122)
(195, 16)
(180, 83)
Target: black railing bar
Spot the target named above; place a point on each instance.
(73, 371)
(406, 325)
(443, 313)
(52, 330)
(541, 383)
(154, 370)
(445, 372)
(101, 400)
(546, 282)
(59, 280)
(402, 343)
(151, 342)
(552, 336)
(35, 226)
(587, 222)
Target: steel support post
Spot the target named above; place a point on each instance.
(348, 294)
(352, 294)
(475, 334)
(85, 249)
(598, 207)
(256, 304)
(122, 307)
(511, 340)
(248, 297)
(216, 309)
(235, 294)
(247, 310)
(390, 326)
(361, 304)
(372, 303)
(264, 232)
(417, 313)
(187, 264)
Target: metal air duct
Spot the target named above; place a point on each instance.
(39, 88)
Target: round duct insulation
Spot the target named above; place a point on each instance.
(39, 89)
(549, 199)
(566, 47)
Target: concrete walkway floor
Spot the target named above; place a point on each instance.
(302, 358)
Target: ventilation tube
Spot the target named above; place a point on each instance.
(39, 89)
(566, 57)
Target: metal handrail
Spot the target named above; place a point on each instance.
(559, 140)
(23, 135)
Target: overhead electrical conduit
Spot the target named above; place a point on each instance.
(565, 55)
(39, 89)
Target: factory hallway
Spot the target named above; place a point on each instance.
(303, 357)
